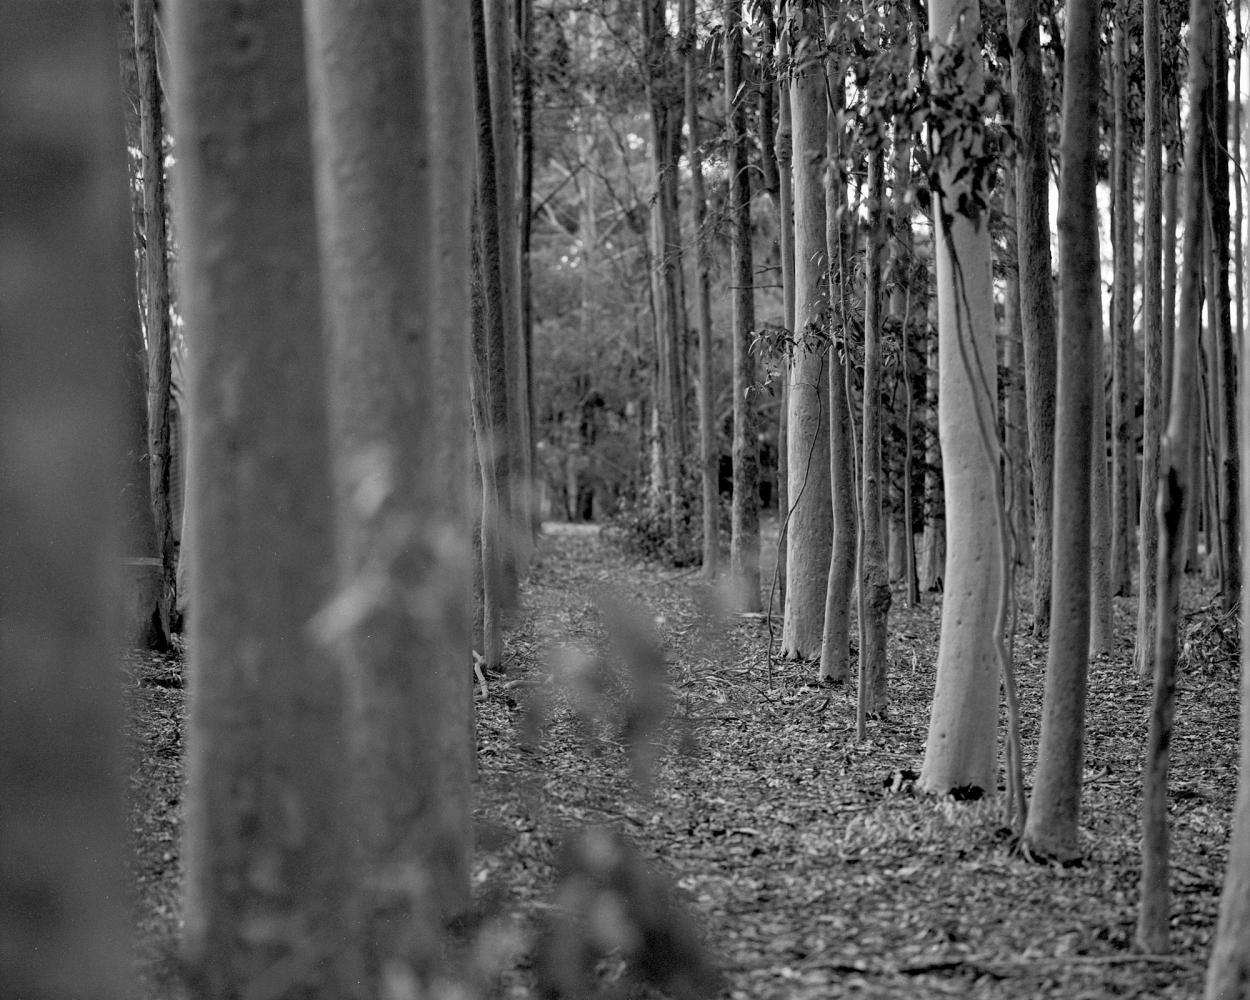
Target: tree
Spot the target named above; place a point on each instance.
(266, 839)
(1051, 828)
(1152, 335)
(809, 529)
(744, 550)
(1176, 485)
(963, 724)
(1037, 306)
(67, 299)
(393, 208)
(709, 467)
(835, 646)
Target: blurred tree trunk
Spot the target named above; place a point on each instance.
(1051, 829)
(266, 836)
(1123, 531)
(525, 219)
(709, 464)
(68, 283)
(744, 545)
(963, 725)
(1176, 483)
(396, 302)
(809, 534)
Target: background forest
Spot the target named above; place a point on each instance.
(623, 498)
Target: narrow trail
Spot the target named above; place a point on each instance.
(808, 874)
(803, 858)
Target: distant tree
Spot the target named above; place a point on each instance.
(68, 297)
(963, 724)
(267, 845)
(744, 543)
(393, 205)
(1051, 829)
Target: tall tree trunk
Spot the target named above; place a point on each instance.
(1051, 828)
(1176, 479)
(68, 297)
(525, 218)
(1015, 408)
(156, 309)
(266, 777)
(1037, 304)
(874, 576)
(785, 205)
(500, 546)
(1122, 449)
(810, 531)
(1101, 623)
(519, 523)
(1230, 566)
(963, 724)
(933, 537)
(744, 543)
(709, 466)
(1152, 331)
(835, 646)
(396, 353)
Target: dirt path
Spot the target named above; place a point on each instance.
(632, 703)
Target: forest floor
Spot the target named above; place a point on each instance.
(806, 862)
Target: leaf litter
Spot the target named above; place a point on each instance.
(654, 819)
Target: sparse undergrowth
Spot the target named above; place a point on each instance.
(807, 865)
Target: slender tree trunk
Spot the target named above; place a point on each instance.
(1037, 304)
(963, 724)
(785, 203)
(744, 545)
(519, 523)
(265, 772)
(156, 309)
(68, 298)
(1229, 490)
(1101, 624)
(525, 217)
(1015, 409)
(810, 530)
(397, 357)
(499, 547)
(1176, 477)
(835, 647)
(709, 467)
(1152, 330)
(874, 576)
(1051, 829)
(1171, 187)
(933, 537)
(1122, 449)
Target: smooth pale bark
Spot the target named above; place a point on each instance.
(1123, 449)
(963, 726)
(709, 466)
(499, 45)
(66, 289)
(1152, 338)
(873, 572)
(1037, 303)
(156, 310)
(1054, 808)
(744, 541)
(397, 354)
(266, 842)
(809, 534)
(835, 646)
(1171, 189)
